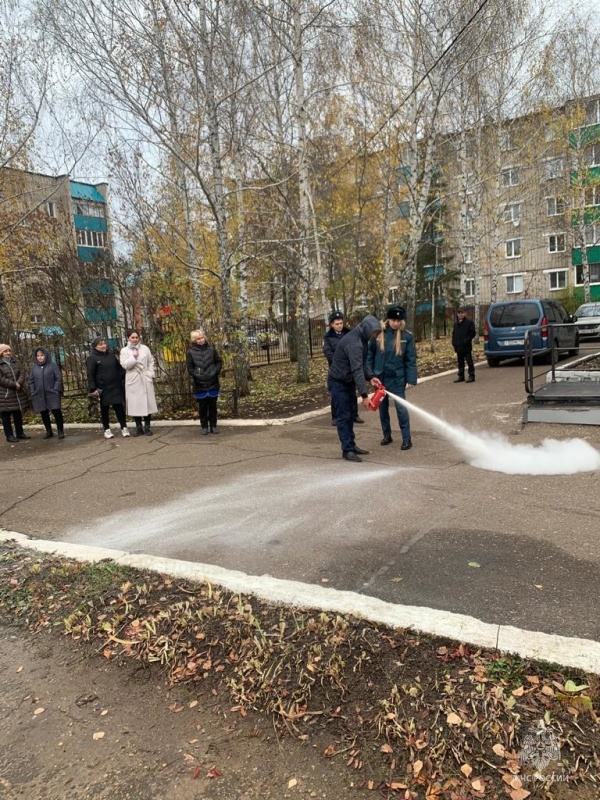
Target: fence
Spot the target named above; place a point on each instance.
(267, 343)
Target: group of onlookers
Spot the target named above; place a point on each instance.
(123, 382)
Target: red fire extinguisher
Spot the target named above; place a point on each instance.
(377, 397)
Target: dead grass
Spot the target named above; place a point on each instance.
(416, 717)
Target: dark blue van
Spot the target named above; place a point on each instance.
(506, 324)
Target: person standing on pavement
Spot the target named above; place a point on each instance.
(463, 334)
(204, 366)
(393, 360)
(45, 390)
(13, 398)
(337, 329)
(105, 383)
(349, 374)
(138, 363)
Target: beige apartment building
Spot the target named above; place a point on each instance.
(520, 203)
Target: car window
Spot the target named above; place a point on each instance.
(550, 312)
(590, 310)
(512, 314)
(561, 312)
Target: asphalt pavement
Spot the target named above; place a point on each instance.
(421, 528)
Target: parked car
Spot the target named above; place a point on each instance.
(506, 324)
(263, 339)
(588, 320)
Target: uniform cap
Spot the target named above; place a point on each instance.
(335, 315)
(396, 312)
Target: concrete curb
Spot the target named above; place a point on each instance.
(583, 654)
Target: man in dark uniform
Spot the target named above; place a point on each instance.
(337, 329)
(462, 342)
(348, 374)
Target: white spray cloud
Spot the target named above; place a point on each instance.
(494, 452)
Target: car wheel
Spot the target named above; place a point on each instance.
(493, 362)
(548, 356)
(575, 350)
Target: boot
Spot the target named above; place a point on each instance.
(204, 431)
(48, 434)
(406, 444)
(471, 379)
(460, 379)
(60, 433)
(139, 429)
(148, 431)
(214, 429)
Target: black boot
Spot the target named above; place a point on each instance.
(48, 434)
(60, 433)
(139, 429)
(460, 379)
(147, 430)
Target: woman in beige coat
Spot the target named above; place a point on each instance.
(138, 363)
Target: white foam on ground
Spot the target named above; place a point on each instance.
(494, 452)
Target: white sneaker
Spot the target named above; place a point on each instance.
(125, 432)
(108, 434)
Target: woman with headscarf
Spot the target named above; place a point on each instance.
(13, 399)
(138, 363)
(105, 383)
(204, 366)
(45, 390)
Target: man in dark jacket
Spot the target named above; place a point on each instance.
(337, 329)
(462, 342)
(348, 374)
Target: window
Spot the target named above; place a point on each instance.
(592, 112)
(556, 243)
(594, 273)
(558, 279)
(394, 294)
(50, 209)
(37, 319)
(91, 238)
(592, 155)
(513, 248)
(507, 140)
(469, 254)
(592, 196)
(512, 213)
(469, 287)
(592, 235)
(510, 176)
(556, 206)
(83, 208)
(514, 284)
(554, 168)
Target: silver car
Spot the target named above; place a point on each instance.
(588, 320)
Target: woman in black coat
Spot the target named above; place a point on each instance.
(45, 390)
(13, 399)
(204, 366)
(106, 383)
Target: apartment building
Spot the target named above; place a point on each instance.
(521, 206)
(56, 233)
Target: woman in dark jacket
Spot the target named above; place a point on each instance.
(106, 382)
(204, 365)
(13, 399)
(45, 390)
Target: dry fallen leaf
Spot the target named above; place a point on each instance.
(466, 770)
(292, 782)
(417, 767)
(478, 785)
(104, 712)
(499, 749)
(519, 794)
(39, 711)
(453, 719)
(98, 735)
(193, 704)
(386, 748)
(20, 669)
